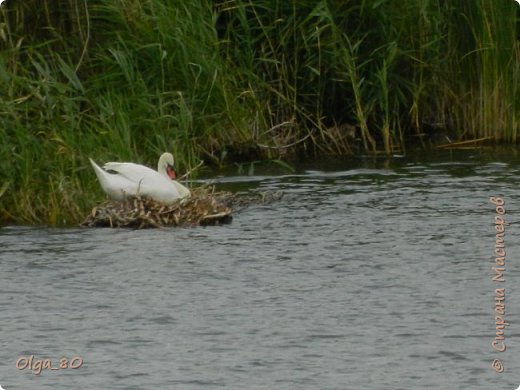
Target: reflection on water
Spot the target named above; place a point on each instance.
(372, 274)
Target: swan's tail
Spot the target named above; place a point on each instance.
(97, 169)
(100, 173)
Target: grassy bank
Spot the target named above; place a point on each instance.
(238, 80)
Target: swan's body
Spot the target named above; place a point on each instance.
(120, 180)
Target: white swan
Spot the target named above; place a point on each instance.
(119, 180)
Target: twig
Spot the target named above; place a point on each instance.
(278, 126)
(191, 170)
(461, 143)
(285, 146)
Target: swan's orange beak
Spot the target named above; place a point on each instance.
(171, 173)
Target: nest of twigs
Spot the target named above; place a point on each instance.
(204, 207)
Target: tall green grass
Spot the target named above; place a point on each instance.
(485, 69)
(238, 80)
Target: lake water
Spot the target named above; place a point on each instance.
(368, 274)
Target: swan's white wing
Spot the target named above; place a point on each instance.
(145, 181)
(166, 192)
(123, 179)
(131, 171)
(118, 187)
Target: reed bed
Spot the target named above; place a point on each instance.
(239, 80)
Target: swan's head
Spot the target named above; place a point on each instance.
(166, 166)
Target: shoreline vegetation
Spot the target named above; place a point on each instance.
(237, 81)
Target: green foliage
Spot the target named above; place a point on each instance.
(237, 80)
